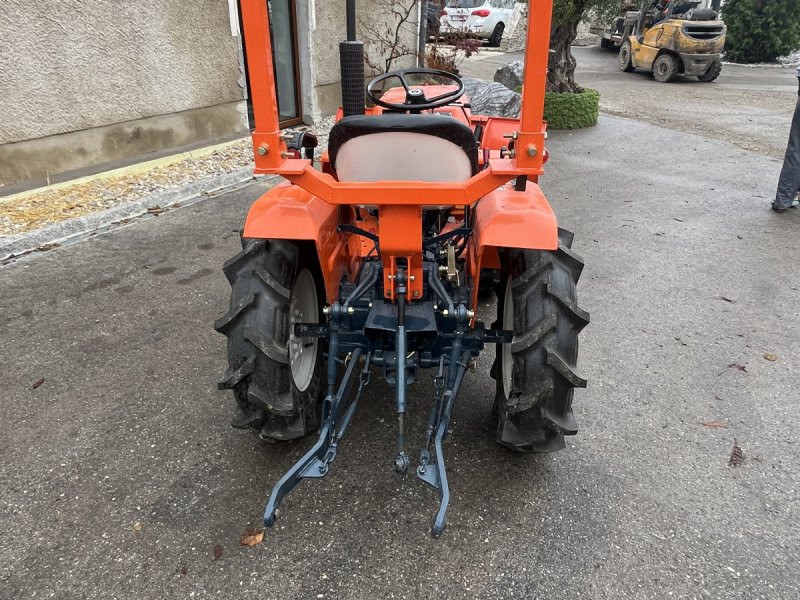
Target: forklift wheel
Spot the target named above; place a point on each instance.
(625, 60)
(275, 376)
(713, 72)
(665, 68)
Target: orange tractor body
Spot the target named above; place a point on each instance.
(282, 212)
(376, 260)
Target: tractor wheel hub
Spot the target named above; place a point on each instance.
(303, 308)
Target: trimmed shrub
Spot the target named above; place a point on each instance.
(571, 111)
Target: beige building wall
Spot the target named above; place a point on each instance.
(84, 83)
(89, 81)
(328, 28)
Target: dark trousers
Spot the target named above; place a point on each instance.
(789, 182)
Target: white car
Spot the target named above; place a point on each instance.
(485, 19)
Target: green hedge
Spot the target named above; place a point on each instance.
(571, 111)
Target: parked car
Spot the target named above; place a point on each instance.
(485, 19)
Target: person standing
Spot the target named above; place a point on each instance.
(789, 181)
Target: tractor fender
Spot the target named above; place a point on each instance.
(288, 212)
(506, 218)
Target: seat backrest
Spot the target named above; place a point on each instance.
(402, 147)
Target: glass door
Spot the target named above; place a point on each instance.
(283, 30)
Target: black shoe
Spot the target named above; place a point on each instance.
(783, 209)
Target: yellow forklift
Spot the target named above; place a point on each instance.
(672, 37)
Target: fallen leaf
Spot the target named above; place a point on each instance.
(137, 526)
(182, 569)
(156, 210)
(726, 299)
(217, 552)
(737, 456)
(770, 357)
(719, 424)
(742, 368)
(252, 537)
(37, 383)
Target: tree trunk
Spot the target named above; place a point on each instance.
(423, 33)
(561, 64)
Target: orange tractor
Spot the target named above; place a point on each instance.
(372, 265)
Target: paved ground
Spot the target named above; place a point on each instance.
(747, 106)
(120, 474)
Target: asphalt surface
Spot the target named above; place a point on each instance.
(749, 106)
(120, 473)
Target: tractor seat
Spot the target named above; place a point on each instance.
(402, 147)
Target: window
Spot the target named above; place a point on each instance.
(282, 30)
(465, 3)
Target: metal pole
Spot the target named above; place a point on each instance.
(537, 54)
(401, 460)
(351, 20)
(423, 32)
(351, 62)
(267, 142)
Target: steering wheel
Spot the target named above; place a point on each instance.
(415, 96)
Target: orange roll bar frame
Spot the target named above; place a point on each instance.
(270, 148)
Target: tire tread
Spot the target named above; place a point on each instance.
(544, 349)
(256, 325)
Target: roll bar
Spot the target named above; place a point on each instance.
(271, 156)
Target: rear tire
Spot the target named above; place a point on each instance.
(274, 283)
(487, 284)
(497, 35)
(665, 67)
(713, 72)
(625, 57)
(536, 375)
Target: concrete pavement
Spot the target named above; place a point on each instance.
(120, 473)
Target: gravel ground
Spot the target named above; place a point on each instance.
(31, 210)
(25, 212)
(791, 59)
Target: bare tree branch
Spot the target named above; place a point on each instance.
(389, 39)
